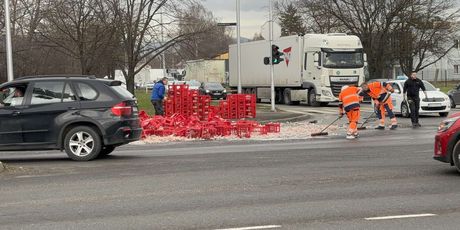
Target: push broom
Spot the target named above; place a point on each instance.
(322, 133)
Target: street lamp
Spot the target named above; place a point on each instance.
(9, 50)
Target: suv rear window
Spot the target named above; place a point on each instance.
(87, 93)
(122, 92)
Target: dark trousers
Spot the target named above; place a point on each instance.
(158, 105)
(414, 106)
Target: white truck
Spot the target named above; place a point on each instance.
(206, 70)
(315, 67)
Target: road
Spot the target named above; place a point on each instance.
(322, 183)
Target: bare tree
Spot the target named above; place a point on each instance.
(426, 34)
(79, 28)
(139, 29)
(202, 45)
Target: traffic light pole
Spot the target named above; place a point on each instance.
(272, 78)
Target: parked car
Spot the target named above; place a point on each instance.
(194, 85)
(85, 116)
(447, 141)
(213, 89)
(437, 101)
(454, 96)
(149, 85)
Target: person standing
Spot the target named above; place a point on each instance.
(349, 104)
(158, 95)
(412, 87)
(380, 92)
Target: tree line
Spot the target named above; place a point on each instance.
(96, 37)
(411, 33)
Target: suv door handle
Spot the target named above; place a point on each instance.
(71, 108)
(16, 113)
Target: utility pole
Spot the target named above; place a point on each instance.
(9, 49)
(272, 69)
(238, 42)
(163, 58)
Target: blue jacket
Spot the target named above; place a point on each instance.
(158, 91)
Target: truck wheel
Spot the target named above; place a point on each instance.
(82, 143)
(312, 98)
(279, 97)
(287, 96)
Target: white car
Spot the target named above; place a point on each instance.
(437, 101)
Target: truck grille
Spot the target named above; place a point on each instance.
(338, 81)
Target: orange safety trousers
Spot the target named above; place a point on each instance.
(353, 118)
(384, 108)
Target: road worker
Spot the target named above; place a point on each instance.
(349, 103)
(380, 92)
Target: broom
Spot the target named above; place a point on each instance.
(362, 127)
(322, 133)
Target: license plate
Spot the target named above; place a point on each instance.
(217, 94)
(434, 104)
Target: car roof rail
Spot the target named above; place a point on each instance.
(56, 76)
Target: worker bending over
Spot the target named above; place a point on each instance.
(380, 92)
(349, 103)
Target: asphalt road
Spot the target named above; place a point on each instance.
(322, 183)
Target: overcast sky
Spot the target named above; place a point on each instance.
(254, 13)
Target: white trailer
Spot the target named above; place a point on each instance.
(315, 67)
(205, 70)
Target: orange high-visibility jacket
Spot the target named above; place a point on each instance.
(379, 90)
(349, 98)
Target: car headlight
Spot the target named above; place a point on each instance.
(326, 93)
(446, 124)
(225, 91)
(207, 91)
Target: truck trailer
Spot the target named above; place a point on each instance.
(315, 67)
(206, 70)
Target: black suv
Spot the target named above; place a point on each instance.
(85, 116)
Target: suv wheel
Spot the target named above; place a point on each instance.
(106, 150)
(82, 143)
(456, 156)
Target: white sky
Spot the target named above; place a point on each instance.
(254, 13)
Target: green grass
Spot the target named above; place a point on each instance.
(445, 86)
(143, 100)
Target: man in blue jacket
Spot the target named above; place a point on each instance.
(158, 95)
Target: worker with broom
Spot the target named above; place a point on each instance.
(380, 92)
(349, 103)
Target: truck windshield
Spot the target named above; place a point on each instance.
(343, 59)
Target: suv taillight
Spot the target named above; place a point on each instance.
(122, 110)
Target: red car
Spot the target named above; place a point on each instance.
(447, 141)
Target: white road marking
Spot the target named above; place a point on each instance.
(253, 227)
(400, 216)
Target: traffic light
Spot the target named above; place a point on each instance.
(276, 55)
